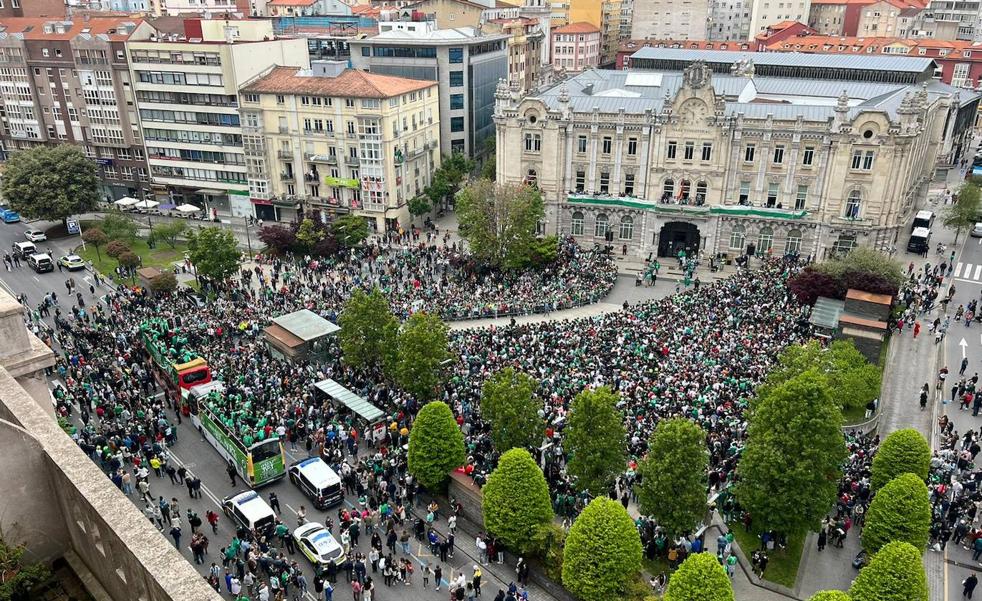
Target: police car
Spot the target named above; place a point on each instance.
(249, 510)
(317, 543)
(318, 481)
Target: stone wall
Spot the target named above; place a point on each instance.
(469, 495)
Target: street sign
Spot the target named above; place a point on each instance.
(72, 226)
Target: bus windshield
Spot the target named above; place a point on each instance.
(265, 450)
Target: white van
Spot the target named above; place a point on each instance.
(249, 510)
(23, 249)
(318, 481)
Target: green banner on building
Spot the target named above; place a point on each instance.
(341, 182)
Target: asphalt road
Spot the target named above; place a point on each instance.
(201, 458)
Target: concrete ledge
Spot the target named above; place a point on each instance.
(744, 562)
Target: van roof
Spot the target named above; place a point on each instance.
(252, 505)
(921, 232)
(24, 244)
(318, 472)
(924, 215)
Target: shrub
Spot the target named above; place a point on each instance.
(516, 500)
(903, 451)
(165, 283)
(436, 445)
(116, 248)
(830, 596)
(603, 552)
(549, 544)
(900, 511)
(700, 578)
(896, 573)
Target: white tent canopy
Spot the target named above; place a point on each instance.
(146, 204)
(126, 201)
(188, 208)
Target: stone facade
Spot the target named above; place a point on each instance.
(727, 164)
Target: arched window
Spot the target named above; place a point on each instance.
(669, 190)
(627, 228)
(765, 239)
(701, 189)
(854, 205)
(600, 229)
(577, 229)
(793, 244)
(684, 189)
(738, 237)
(843, 245)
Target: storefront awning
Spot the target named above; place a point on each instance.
(211, 191)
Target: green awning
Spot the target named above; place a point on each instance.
(826, 312)
(362, 408)
(647, 205)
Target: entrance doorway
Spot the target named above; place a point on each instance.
(676, 236)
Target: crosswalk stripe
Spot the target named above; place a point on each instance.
(968, 270)
(958, 270)
(978, 272)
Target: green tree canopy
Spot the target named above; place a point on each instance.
(700, 578)
(308, 235)
(436, 445)
(516, 500)
(368, 331)
(170, 232)
(448, 176)
(791, 463)
(419, 205)
(965, 212)
(119, 227)
(673, 476)
(830, 596)
(896, 573)
(165, 283)
(50, 182)
(214, 252)
(903, 451)
(349, 230)
(595, 440)
(422, 348)
(499, 221)
(603, 552)
(853, 381)
(900, 511)
(96, 237)
(508, 403)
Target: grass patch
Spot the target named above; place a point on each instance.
(656, 566)
(853, 415)
(782, 567)
(162, 256)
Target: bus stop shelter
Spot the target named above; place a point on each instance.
(296, 335)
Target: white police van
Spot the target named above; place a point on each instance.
(318, 481)
(249, 510)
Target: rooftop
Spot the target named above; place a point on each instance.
(906, 64)
(291, 2)
(110, 28)
(350, 83)
(579, 27)
(459, 34)
(306, 325)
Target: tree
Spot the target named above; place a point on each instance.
(673, 476)
(368, 331)
(350, 230)
(516, 500)
(896, 573)
(214, 252)
(116, 248)
(900, 511)
(903, 451)
(830, 596)
(791, 462)
(19, 581)
(594, 439)
(279, 240)
(308, 235)
(809, 284)
(963, 213)
(170, 232)
(436, 445)
(489, 168)
(700, 578)
(499, 221)
(165, 283)
(96, 237)
(869, 263)
(119, 227)
(130, 260)
(51, 182)
(447, 177)
(544, 251)
(603, 552)
(508, 403)
(852, 380)
(422, 348)
(419, 205)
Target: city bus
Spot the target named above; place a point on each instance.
(258, 463)
(176, 366)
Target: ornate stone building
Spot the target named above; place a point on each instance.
(728, 163)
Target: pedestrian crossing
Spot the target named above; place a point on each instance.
(968, 272)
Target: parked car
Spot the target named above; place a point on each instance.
(9, 216)
(35, 235)
(23, 249)
(72, 262)
(977, 231)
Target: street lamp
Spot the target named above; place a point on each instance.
(245, 220)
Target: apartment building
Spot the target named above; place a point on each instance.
(32, 8)
(676, 19)
(764, 13)
(466, 64)
(523, 49)
(186, 86)
(576, 47)
(338, 140)
(69, 82)
(729, 20)
(200, 8)
(697, 155)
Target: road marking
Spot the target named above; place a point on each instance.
(290, 508)
(964, 345)
(978, 272)
(966, 281)
(36, 279)
(958, 270)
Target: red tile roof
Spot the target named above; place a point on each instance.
(291, 2)
(580, 27)
(351, 83)
(32, 28)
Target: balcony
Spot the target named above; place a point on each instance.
(284, 154)
(288, 177)
(350, 160)
(328, 159)
(311, 177)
